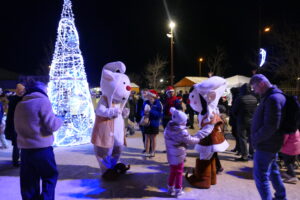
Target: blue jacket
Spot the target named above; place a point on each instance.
(266, 122)
(155, 112)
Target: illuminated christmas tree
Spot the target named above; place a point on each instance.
(68, 87)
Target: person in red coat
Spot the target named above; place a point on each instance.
(170, 101)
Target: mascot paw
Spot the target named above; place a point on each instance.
(110, 175)
(121, 168)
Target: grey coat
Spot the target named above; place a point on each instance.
(266, 122)
(176, 139)
(35, 122)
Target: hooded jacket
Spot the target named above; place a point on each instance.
(266, 122)
(176, 139)
(35, 121)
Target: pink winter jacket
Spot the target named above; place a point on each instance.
(176, 139)
(291, 144)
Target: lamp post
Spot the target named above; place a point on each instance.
(171, 36)
(200, 62)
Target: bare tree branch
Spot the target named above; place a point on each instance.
(155, 71)
(215, 62)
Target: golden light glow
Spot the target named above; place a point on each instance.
(267, 29)
(201, 59)
(172, 25)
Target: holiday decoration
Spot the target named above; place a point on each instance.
(68, 88)
(262, 56)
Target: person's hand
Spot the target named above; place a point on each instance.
(147, 108)
(214, 119)
(125, 112)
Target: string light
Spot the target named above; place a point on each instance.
(68, 87)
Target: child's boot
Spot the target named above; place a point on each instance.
(171, 190)
(179, 192)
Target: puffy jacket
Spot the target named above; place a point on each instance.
(266, 121)
(176, 139)
(35, 121)
(244, 108)
(291, 144)
(155, 112)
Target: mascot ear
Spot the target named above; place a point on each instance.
(211, 96)
(107, 75)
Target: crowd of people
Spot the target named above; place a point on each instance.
(254, 117)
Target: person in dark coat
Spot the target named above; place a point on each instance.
(243, 109)
(232, 120)
(267, 139)
(139, 113)
(10, 132)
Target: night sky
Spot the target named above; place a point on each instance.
(134, 31)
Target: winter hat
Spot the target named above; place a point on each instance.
(152, 93)
(170, 89)
(178, 116)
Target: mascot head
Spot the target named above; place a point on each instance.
(115, 85)
(204, 96)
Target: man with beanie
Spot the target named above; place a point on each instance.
(266, 138)
(35, 123)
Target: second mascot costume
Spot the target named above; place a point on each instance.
(204, 98)
(108, 134)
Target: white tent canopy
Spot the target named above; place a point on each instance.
(237, 81)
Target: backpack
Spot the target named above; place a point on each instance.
(290, 120)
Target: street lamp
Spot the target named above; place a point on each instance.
(171, 36)
(200, 62)
(267, 29)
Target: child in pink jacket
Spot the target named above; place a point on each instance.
(290, 150)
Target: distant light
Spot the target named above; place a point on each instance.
(267, 29)
(263, 55)
(161, 80)
(169, 35)
(172, 25)
(201, 59)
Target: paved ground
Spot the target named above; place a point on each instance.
(147, 178)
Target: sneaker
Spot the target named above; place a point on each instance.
(171, 190)
(152, 154)
(241, 159)
(146, 154)
(220, 170)
(292, 180)
(179, 192)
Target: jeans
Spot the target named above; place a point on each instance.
(265, 169)
(176, 175)
(38, 164)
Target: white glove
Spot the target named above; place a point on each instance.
(116, 112)
(147, 108)
(125, 112)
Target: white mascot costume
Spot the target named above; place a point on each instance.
(108, 133)
(204, 98)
